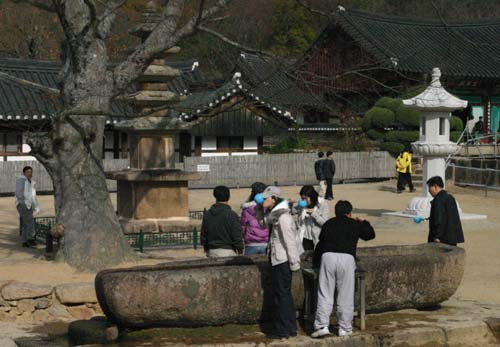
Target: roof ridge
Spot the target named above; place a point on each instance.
(417, 20)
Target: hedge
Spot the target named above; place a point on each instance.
(381, 117)
(456, 124)
(408, 118)
(375, 134)
(402, 136)
(392, 147)
(390, 103)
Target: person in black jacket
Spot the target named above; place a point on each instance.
(335, 255)
(220, 229)
(328, 173)
(444, 221)
(318, 170)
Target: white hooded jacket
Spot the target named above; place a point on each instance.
(285, 242)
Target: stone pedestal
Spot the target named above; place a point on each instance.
(148, 199)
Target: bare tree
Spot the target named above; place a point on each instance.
(72, 151)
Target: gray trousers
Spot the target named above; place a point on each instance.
(221, 252)
(337, 271)
(27, 223)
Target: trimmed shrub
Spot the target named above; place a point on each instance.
(456, 124)
(366, 122)
(392, 147)
(381, 117)
(390, 103)
(407, 117)
(455, 135)
(402, 136)
(375, 134)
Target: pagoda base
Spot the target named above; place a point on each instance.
(158, 225)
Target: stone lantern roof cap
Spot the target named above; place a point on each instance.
(435, 97)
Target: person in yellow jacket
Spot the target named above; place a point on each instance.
(403, 166)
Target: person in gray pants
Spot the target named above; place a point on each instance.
(335, 255)
(26, 203)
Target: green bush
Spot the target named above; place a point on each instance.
(381, 117)
(390, 103)
(456, 124)
(289, 144)
(392, 147)
(366, 122)
(455, 135)
(407, 117)
(406, 136)
(375, 134)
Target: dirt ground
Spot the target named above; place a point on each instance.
(482, 274)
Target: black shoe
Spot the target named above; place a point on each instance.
(32, 242)
(413, 190)
(277, 336)
(26, 244)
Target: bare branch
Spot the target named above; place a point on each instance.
(164, 36)
(312, 10)
(108, 17)
(29, 83)
(42, 5)
(231, 42)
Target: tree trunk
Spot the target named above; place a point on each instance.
(93, 238)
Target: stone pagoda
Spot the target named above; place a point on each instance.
(152, 195)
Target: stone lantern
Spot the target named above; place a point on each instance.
(434, 145)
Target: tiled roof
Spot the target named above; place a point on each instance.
(196, 104)
(462, 49)
(268, 79)
(22, 102)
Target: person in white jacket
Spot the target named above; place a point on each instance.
(313, 212)
(285, 250)
(26, 203)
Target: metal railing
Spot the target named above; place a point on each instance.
(140, 240)
(485, 178)
(473, 140)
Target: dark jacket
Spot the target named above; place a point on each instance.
(318, 169)
(220, 228)
(328, 168)
(444, 221)
(341, 235)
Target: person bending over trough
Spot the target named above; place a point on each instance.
(335, 255)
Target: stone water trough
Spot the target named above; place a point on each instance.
(238, 290)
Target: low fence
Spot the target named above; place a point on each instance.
(139, 241)
(484, 178)
(286, 169)
(11, 170)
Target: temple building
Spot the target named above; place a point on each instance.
(362, 56)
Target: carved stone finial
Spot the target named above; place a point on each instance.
(436, 76)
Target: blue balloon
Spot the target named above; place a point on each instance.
(302, 203)
(258, 199)
(417, 219)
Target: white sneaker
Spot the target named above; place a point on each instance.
(321, 332)
(342, 332)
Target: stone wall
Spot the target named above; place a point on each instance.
(26, 302)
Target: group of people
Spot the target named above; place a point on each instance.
(267, 225)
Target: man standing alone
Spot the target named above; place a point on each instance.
(444, 221)
(318, 170)
(26, 203)
(220, 229)
(329, 172)
(335, 255)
